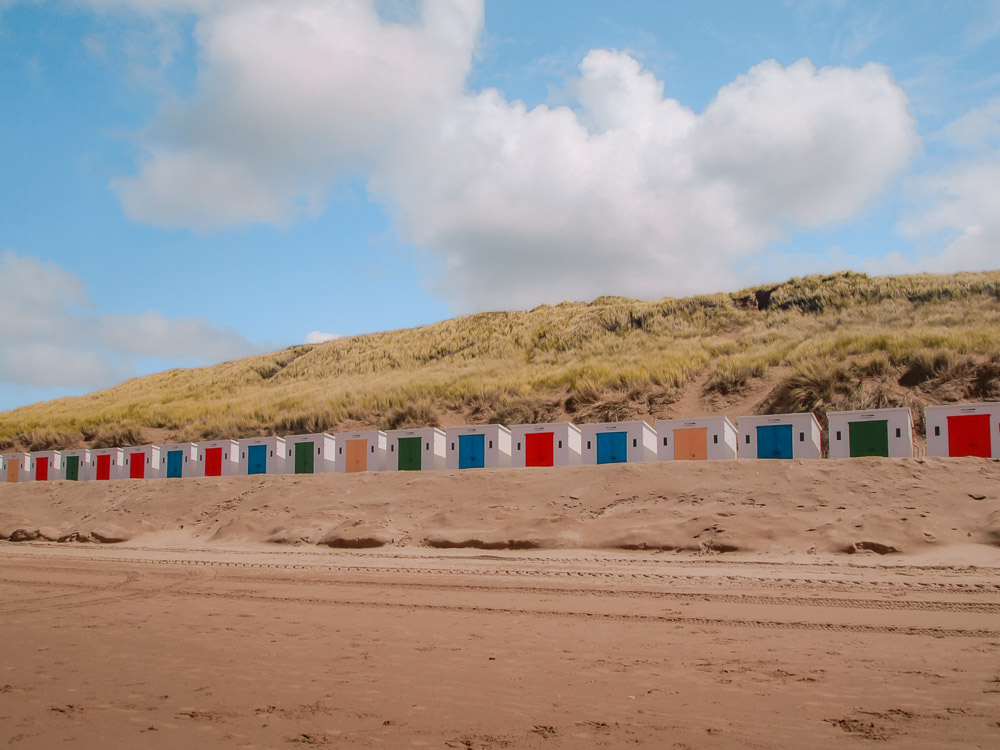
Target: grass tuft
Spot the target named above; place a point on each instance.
(410, 416)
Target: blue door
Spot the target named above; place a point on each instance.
(612, 447)
(471, 451)
(257, 459)
(174, 461)
(774, 441)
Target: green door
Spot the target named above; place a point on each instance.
(304, 461)
(869, 438)
(409, 454)
(73, 468)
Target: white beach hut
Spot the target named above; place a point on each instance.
(872, 432)
(310, 454)
(546, 444)
(75, 465)
(359, 451)
(15, 467)
(963, 430)
(217, 458)
(261, 455)
(106, 463)
(780, 436)
(178, 460)
(617, 442)
(141, 462)
(484, 446)
(418, 449)
(700, 439)
(44, 465)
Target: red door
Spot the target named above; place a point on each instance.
(137, 466)
(538, 449)
(42, 469)
(969, 435)
(104, 467)
(213, 462)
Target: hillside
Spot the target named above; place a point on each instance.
(822, 342)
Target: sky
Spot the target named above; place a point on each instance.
(185, 182)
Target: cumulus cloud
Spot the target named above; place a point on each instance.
(636, 194)
(53, 337)
(292, 95)
(627, 191)
(319, 337)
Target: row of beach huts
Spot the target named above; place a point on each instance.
(952, 430)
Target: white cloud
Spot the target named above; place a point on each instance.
(978, 129)
(149, 334)
(860, 31)
(45, 365)
(292, 95)
(957, 208)
(963, 204)
(626, 192)
(52, 335)
(636, 194)
(319, 337)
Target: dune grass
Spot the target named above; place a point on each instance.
(847, 339)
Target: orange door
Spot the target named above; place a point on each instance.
(691, 444)
(357, 455)
(13, 471)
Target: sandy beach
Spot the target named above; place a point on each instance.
(212, 636)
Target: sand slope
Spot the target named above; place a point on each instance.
(923, 507)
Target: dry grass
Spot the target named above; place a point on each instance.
(411, 416)
(115, 435)
(848, 339)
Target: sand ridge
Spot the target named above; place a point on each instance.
(918, 506)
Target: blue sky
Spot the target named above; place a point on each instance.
(189, 181)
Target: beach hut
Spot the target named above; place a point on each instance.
(15, 467)
(701, 439)
(617, 442)
(780, 436)
(547, 444)
(106, 463)
(963, 430)
(262, 455)
(44, 465)
(309, 454)
(420, 449)
(217, 458)
(477, 447)
(178, 460)
(141, 462)
(875, 432)
(75, 465)
(359, 451)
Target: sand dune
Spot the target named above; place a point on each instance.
(909, 507)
